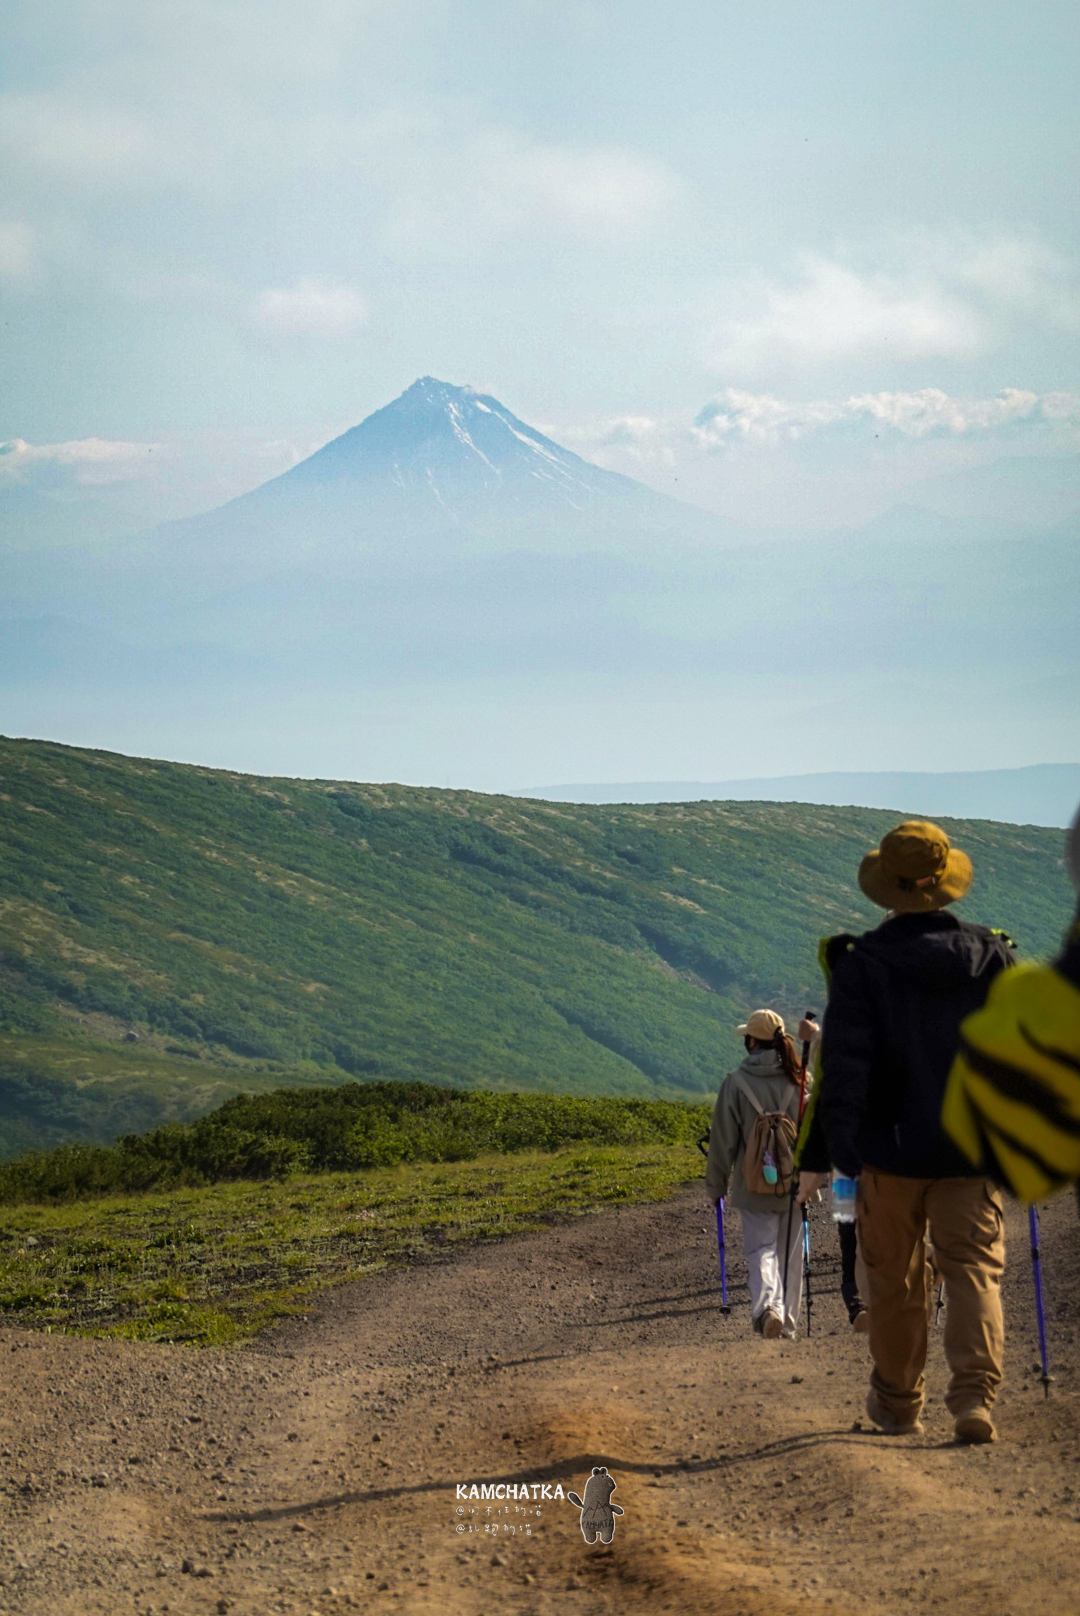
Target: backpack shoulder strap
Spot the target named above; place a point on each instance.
(741, 1083)
(830, 949)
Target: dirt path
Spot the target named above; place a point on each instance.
(315, 1470)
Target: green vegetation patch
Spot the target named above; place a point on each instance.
(54, 1089)
(354, 1127)
(211, 1265)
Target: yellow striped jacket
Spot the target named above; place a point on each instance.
(1012, 1103)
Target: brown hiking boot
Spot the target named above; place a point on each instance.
(975, 1426)
(772, 1326)
(887, 1422)
(860, 1321)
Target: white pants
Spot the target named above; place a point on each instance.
(763, 1244)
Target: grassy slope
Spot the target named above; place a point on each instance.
(209, 1265)
(254, 932)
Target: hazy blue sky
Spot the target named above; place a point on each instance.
(789, 260)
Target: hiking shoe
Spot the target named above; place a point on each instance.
(974, 1426)
(772, 1326)
(860, 1321)
(849, 1295)
(888, 1423)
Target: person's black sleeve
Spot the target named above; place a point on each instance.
(1067, 963)
(812, 1152)
(847, 1049)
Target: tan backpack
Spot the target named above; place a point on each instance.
(773, 1136)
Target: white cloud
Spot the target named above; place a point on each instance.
(1025, 278)
(917, 415)
(84, 460)
(602, 188)
(747, 429)
(432, 173)
(1061, 407)
(623, 441)
(639, 438)
(743, 417)
(74, 138)
(759, 418)
(834, 312)
(916, 297)
(495, 185)
(312, 307)
(16, 248)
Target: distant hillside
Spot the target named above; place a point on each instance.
(1043, 794)
(170, 935)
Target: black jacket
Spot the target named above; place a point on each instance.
(1068, 961)
(897, 998)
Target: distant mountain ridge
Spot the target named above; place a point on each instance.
(1041, 794)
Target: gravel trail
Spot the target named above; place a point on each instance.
(315, 1469)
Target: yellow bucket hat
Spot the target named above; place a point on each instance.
(915, 869)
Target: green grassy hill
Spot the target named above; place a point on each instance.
(170, 935)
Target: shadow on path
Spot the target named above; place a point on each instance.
(563, 1470)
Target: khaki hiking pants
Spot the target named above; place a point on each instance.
(967, 1228)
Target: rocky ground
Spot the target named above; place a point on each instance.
(314, 1470)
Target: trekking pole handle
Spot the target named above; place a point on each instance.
(811, 1015)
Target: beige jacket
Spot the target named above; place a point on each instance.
(733, 1121)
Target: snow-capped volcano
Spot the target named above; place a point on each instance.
(448, 442)
(443, 463)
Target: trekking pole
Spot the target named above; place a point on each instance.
(805, 1209)
(811, 1015)
(1036, 1268)
(787, 1239)
(724, 1308)
(703, 1146)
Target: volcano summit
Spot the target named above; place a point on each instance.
(447, 461)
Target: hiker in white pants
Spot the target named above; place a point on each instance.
(763, 1244)
(750, 1146)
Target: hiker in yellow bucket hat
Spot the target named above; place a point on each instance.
(897, 997)
(915, 870)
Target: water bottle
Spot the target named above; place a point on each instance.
(843, 1198)
(768, 1167)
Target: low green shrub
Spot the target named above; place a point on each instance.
(354, 1127)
